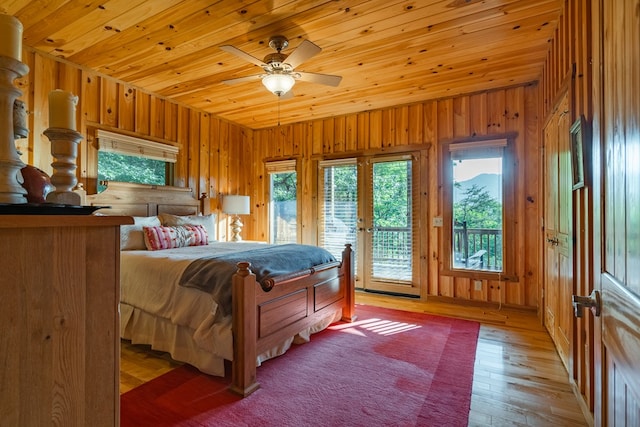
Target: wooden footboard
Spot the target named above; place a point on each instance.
(262, 317)
(266, 315)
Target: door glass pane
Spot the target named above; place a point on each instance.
(392, 220)
(477, 213)
(339, 208)
(283, 221)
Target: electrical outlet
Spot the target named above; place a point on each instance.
(437, 221)
(477, 285)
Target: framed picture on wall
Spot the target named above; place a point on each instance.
(579, 141)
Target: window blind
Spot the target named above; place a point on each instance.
(138, 147)
(339, 198)
(281, 166)
(477, 149)
(337, 162)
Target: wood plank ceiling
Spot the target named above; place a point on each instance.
(389, 52)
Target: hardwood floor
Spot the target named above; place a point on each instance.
(519, 379)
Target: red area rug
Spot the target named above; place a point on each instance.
(389, 368)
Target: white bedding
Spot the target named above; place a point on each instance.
(156, 310)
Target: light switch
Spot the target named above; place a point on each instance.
(437, 221)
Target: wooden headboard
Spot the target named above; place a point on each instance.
(125, 198)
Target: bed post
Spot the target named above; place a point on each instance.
(349, 310)
(243, 368)
(205, 206)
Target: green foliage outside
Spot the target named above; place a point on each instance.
(284, 207)
(123, 168)
(392, 213)
(392, 194)
(284, 187)
(341, 186)
(478, 210)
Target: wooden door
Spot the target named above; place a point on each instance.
(390, 263)
(558, 283)
(616, 182)
(370, 202)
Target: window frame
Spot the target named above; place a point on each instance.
(275, 167)
(509, 242)
(119, 143)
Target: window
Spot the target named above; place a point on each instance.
(478, 207)
(283, 202)
(339, 205)
(129, 159)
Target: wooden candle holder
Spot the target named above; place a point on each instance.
(64, 149)
(11, 190)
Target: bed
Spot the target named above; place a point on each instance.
(169, 304)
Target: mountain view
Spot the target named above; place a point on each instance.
(491, 182)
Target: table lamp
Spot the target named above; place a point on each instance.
(236, 205)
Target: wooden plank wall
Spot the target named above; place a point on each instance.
(211, 150)
(218, 157)
(420, 127)
(569, 68)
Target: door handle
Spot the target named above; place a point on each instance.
(554, 242)
(592, 302)
(361, 229)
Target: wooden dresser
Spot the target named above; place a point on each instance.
(60, 345)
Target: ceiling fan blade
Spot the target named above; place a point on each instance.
(304, 51)
(323, 79)
(241, 54)
(243, 79)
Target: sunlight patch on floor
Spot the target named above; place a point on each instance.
(377, 326)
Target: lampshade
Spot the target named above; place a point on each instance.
(235, 205)
(278, 84)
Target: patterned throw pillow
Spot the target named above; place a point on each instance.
(208, 221)
(160, 237)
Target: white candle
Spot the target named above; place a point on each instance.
(10, 37)
(62, 109)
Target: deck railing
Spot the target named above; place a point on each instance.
(474, 249)
(477, 248)
(392, 252)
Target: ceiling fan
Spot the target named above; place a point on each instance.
(279, 69)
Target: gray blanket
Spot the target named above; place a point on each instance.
(213, 274)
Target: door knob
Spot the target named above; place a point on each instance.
(591, 302)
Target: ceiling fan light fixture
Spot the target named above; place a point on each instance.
(278, 84)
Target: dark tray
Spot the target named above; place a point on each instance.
(46, 209)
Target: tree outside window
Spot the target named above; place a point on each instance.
(477, 214)
(479, 219)
(283, 210)
(124, 168)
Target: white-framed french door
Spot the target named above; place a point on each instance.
(371, 203)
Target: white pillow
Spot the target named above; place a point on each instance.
(132, 237)
(208, 221)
